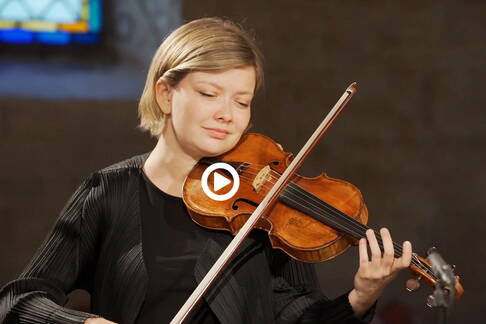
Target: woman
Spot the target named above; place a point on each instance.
(126, 238)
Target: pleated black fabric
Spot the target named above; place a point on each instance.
(96, 245)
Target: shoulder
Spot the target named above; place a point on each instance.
(134, 162)
(115, 180)
(111, 186)
(118, 171)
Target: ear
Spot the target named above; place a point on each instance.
(163, 96)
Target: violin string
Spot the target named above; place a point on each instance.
(418, 264)
(415, 261)
(361, 231)
(354, 226)
(397, 248)
(337, 216)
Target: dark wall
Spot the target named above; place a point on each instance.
(412, 139)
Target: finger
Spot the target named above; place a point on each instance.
(389, 251)
(374, 247)
(406, 258)
(363, 252)
(406, 254)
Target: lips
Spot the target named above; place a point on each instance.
(216, 132)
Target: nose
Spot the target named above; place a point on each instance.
(224, 112)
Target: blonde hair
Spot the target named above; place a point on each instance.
(205, 44)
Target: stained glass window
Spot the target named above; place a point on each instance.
(50, 21)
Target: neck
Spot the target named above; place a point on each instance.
(168, 164)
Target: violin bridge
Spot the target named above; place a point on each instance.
(261, 178)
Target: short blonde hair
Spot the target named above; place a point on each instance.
(205, 44)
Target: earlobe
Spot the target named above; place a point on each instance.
(163, 93)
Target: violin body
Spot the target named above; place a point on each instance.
(290, 229)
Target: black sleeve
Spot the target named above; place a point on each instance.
(64, 262)
(337, 310)
(298, 299)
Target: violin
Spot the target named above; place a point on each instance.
(314, 219)
(310, 219)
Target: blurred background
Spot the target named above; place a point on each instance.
(412, 140)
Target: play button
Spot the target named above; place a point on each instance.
(220, 181)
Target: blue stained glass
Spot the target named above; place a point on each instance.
(55, 38)
(89, 38)
(94, 17)
(13, 10)
(57, 11)
(60, 11)
(16, 36)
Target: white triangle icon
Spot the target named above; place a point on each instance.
(220, 181)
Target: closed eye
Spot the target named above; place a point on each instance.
(243, 104)
(206, 94)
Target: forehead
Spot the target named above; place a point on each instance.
(241, 79)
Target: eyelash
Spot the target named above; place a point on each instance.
(206, 94)
(212, 96)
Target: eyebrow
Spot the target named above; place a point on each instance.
(220, 88)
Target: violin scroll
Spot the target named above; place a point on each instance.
(437, 274)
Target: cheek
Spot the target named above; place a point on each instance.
(243, 120)
(185, 112)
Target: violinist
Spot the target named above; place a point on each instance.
(125, 235)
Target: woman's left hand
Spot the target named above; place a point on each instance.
(373, 275)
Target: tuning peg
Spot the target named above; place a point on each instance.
(431, 250)
(413, 284)
(431, 301)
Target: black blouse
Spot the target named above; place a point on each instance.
(171, 242)
(96, 245)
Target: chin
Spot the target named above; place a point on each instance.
(215, 152)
